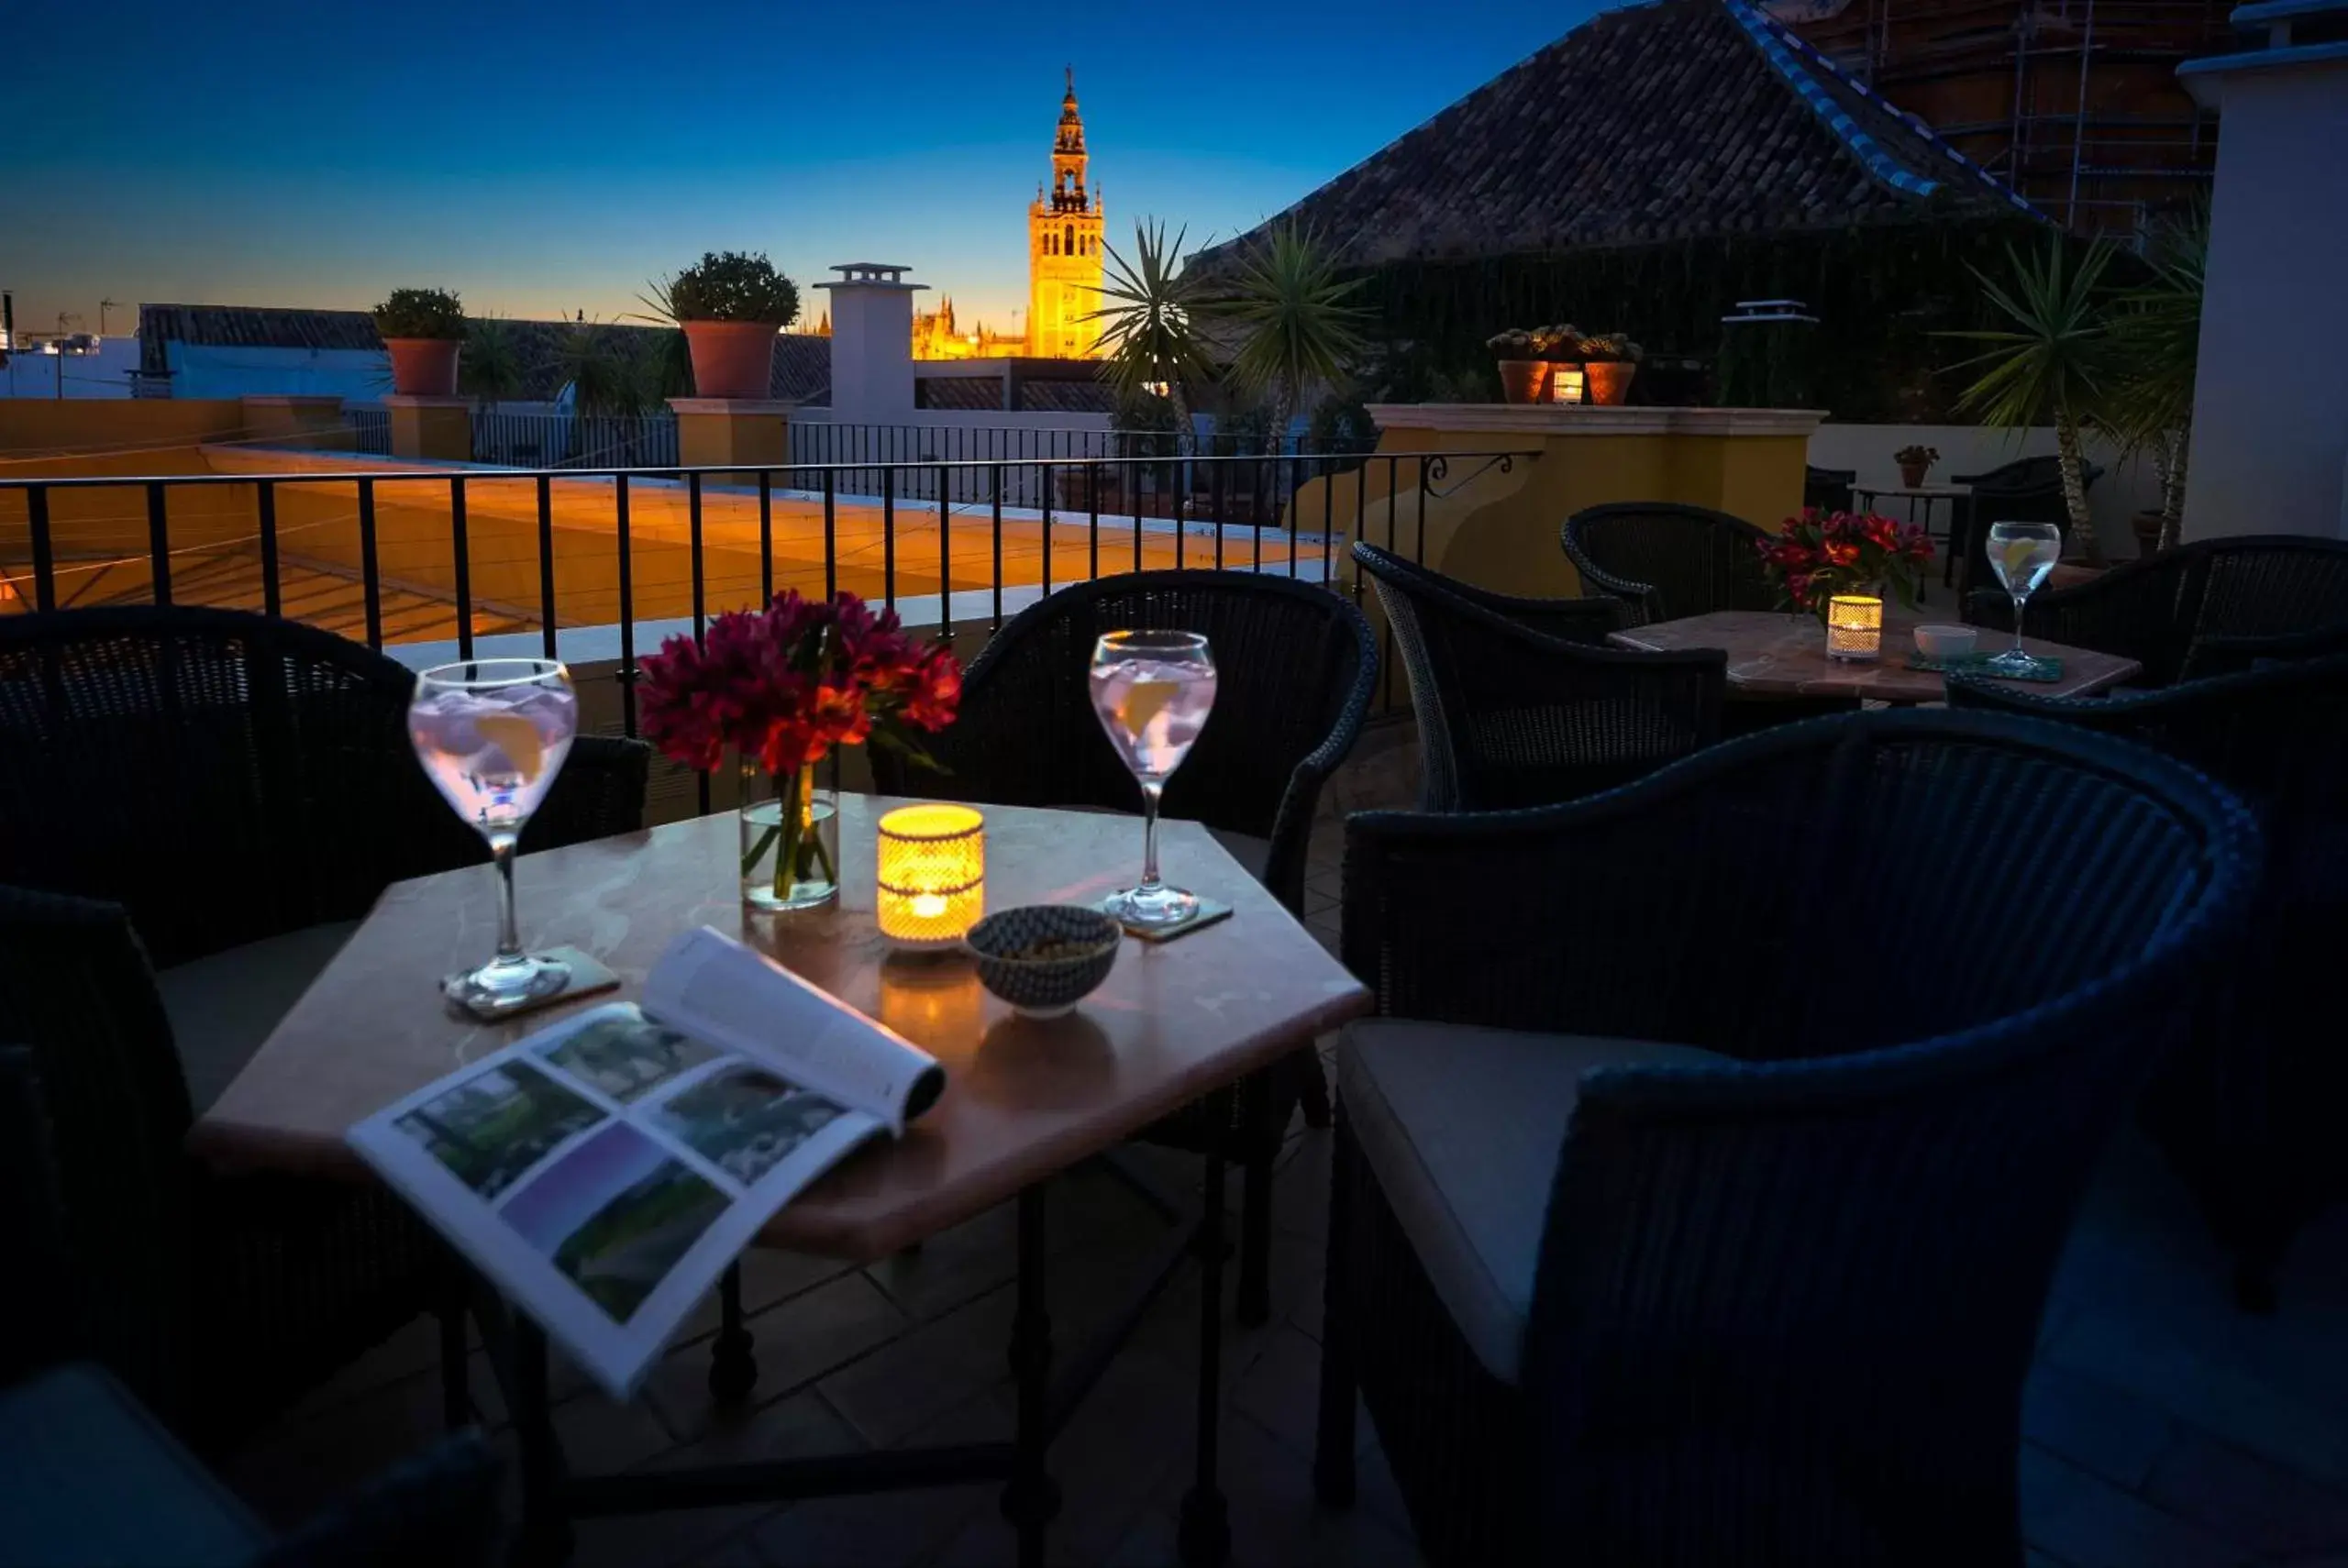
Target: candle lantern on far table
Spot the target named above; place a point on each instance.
(1854, 626)
(932, 874)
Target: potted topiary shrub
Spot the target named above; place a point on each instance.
(1915, 462)
(424, 330)
(731, 305)
(1524, 362)
(1607, 363)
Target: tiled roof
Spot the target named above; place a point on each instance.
(802, 364)
(1679, 120)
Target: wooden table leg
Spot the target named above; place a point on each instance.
(733, 1370)
(544, 1541)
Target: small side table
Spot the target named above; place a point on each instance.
(1865, 495)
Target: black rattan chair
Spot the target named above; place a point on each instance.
(213, 792)
(1761, 1287)
(1295, 667)
(2028, 490)
(2180, 614)
(1666, 562)
(1519, 700)
(1827, 490)
(2248, 1111)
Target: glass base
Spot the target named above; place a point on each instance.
(812, 895)
(2012, 660)
(503, 986)
(1156, 904)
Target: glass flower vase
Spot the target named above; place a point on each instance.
(790, 840)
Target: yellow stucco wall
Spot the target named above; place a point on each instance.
(1495, 522)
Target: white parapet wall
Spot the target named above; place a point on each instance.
(2127, 485)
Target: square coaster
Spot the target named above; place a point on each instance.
(1208, 912)
(588, 976)
(2042, 667)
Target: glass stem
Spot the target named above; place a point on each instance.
(509, 936)
(1149, 794)
(2020, 599)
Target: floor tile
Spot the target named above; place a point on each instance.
(2247, 1500)
(2090, 1523)
(804, 1338)
(2095, 1426)
(920, 1375)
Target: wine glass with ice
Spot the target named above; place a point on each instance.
(2022, 555)
(491, 734)
(1152, 692)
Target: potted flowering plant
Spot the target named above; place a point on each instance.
(1820, 554)
(730, 305)
(1915, 462)
(423, 329)
(781, 686)
(1609, 361)
(1527, 355)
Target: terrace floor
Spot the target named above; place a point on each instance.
(2165, 1429)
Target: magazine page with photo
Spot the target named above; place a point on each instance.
(603, 1172)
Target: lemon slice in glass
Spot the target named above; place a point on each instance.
(518, 739)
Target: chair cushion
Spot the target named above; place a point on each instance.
(1463, 1127)
(87, 1475)
(223, 1006)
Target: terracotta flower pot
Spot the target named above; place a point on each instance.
(1608, 380)
(732, 358)
(1524, 381)
(1911, 475)
(424, 367)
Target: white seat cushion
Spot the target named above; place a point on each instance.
(223, 1006)
(1463, 1127)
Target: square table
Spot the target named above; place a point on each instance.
(1775, 654)
(1173, 1023)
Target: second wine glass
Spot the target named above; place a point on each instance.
(1152, 692)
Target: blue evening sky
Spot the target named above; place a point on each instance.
(546, 160)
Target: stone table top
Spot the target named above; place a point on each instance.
(1771, 653)
(1025, 1097)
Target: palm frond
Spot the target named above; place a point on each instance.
(1149, 334)
(2052, 360)
(1292, 301)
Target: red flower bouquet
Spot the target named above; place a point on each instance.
(1820, 554)
(782, 687)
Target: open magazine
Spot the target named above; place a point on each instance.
(605, 1171)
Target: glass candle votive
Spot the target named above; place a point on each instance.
(932, 874)
(1565, 384)
(1854, 626)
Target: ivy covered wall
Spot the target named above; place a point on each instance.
(1879, 294)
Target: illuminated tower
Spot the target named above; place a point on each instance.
(1064, 248)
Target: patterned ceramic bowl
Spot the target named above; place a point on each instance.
(1044, 958)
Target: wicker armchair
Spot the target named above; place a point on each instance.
(1296, 664)
(1665, 561)
(1827, 490)
(2190, 604)
(2248, 1109)
(181, 788)
(1511, 715)
(1781, 1297)
(2028, 490)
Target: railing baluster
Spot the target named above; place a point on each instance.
(1328, 521)
(159, 540)
(1092, 484)
(1220, 514)
(272, 591)
(370, 568)
(546, 564)
(766, 535)
(889, 537)
(701, 606)
(461, 550)
(997, 486)
(945, 563)
(44, 560)
(627, 610)
(1044, 473)
(831, 534)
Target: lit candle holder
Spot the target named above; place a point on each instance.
(1854, 626)
(1565, 384)
(932, 878)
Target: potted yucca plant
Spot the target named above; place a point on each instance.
(424, 330)
(731, 305)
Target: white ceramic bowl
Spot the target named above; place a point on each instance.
(1944, 642)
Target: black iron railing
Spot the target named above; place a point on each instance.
(402, 556)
